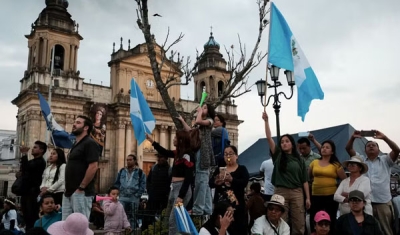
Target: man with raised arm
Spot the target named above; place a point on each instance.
(379, 166)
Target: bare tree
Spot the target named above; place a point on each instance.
(237, 83)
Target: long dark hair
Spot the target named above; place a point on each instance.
(333, 159)
(221, 119)
(60, 160)
(210, 111)
(11, 206)
(284, 158)
(182, 143)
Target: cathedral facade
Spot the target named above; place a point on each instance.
(109, 106)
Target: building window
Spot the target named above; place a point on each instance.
(220, 88)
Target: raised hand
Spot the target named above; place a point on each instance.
(148, 137)
(311, 137)
(357, 134)
(226, 220)
(23, 149)
(379, 135)
(265, 116)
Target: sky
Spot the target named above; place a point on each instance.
(353, 47)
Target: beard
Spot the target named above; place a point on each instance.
(77, 131)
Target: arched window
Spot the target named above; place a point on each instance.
(58, 57)
(220, 88)
(202, 86)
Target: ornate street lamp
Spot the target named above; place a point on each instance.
(262, 86)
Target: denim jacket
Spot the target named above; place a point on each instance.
(133, 186)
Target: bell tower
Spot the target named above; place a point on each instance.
(53, 29)
(211, 72)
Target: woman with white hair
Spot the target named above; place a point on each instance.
(356, 181)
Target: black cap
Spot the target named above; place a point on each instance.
(357, 194)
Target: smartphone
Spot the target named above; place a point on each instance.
(304, 134)
(368, 133)
(222, 170)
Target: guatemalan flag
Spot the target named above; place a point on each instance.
(142, 118)
(60, 137)
(284, 52)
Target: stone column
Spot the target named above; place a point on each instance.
(75, 57)
(128, 138)
(120, 144)
(171, 142)
(44, 52)
(72, 58)
(139, 154)
(163, 139)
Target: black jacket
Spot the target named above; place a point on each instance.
(158, 182)
(32, 172)
(370, 226)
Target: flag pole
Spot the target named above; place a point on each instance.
(269, 37)
(50, 91)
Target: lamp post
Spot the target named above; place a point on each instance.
(262, 86)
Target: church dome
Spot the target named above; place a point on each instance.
(211, 42)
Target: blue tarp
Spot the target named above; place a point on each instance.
(253, 156)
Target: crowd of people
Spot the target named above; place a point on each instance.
(59, 196)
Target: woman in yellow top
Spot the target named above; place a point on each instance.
(325, 172)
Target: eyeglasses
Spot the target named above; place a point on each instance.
(229, 154)
(324, 223)
(355, 200)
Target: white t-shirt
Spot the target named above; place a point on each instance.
(262, 227)
(204, 231)
(267, 167)
(11, 215)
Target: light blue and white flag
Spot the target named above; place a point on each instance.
(60, 137)
(142, 118)
(183, 221)
(284, 52)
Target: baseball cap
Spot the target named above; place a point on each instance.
(357, 194)
(321, 215)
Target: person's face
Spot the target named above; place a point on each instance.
(356, 205)
(274, 212)
(304, 149)
(354, 167)
(161, 160)
(322, 227)
(48, 205)
(326, 150)
(114, 193)
(217, 122)
(230, 156)
(53, 157)
(130, 162)
(5, 205)
(286, 145)
(372, 148)
(99, 115)
(78, 127)
(205, 110)
(36, 151)
(175, 141)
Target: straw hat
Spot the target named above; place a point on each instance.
(277, 200)
(358, 160)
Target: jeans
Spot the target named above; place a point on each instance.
(79, 203)
(202, 193)
(130, 206)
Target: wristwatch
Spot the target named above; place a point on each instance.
(81, 189)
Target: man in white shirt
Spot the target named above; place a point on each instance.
(272, 223)
(266, 169)
(379, 174)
